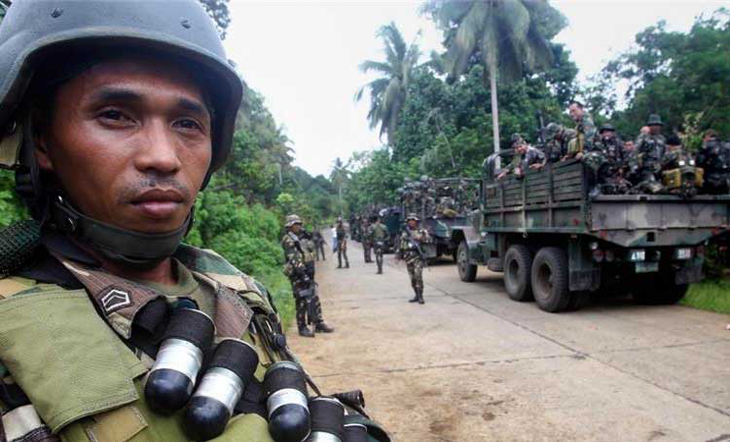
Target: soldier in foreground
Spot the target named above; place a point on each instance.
(299, 267)
(341, 236)
(105, 316)
(378, 234)
(411, 240)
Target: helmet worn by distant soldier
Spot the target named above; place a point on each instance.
(654, 120)
(607, 128)
(412, 216)
(516, 139)
(292, 219)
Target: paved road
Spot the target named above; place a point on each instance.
(471, 365)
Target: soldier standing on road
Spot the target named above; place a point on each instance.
(410, 249)
(319, 244)
(645, 163)
(367, 243)
(378, 234)
(300, 270)
(714, 158)
(341, 236)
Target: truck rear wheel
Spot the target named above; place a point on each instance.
(517, 265)
(550, 279)
(467, 271)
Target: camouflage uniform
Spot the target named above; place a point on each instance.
(319, 245)
(585, 134)
(605, 161)
(410, 242)
(489, 167)
(645, 163)
(557, 138)
(367, 242)
(299, 267)
(522, 162)
(378, 233)
(341, 244)
(714, 158)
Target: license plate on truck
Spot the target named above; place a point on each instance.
(647, 267)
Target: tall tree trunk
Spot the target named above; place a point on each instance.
(340, 192)
(495, 111)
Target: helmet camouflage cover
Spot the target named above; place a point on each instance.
(293, 219)
(412, 216)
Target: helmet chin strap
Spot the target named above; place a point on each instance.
(128, 248)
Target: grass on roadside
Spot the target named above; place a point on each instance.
(709, 295)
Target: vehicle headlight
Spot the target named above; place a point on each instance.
(691, 162)
(682, 162)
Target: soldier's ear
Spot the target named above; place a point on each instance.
(41, 137)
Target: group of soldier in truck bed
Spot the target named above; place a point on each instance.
(438, 198)
(650, 164)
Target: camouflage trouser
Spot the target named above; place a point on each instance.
(594, 160)
(308, 309)
(646, 181)
(367, 248)
(320, 251)
(717, 183)
(342, 250)
(379, 249)
(415, 271)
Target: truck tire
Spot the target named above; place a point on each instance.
(467, 271)
(517, 266)
(550, 280)
(659, 291)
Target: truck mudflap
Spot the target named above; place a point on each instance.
(584, 280)
(691, 272)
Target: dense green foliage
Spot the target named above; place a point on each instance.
(681, 76)
(709, 295)
(444, 126)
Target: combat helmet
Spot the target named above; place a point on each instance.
(552, 130)
(412, 216)
(654, 120)
(607, 127)
(292, 219)
(45, 38)
(516, 139)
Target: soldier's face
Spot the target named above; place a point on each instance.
(296, 228)
(576, 113)
(412, 223)
(655, 129)
(130, 142)
(608, 134)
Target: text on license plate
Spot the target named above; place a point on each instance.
(646, 267)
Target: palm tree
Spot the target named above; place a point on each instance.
(388, 93)
(509, 37)
(339, 176)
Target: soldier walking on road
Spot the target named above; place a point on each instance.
(367, 242)
(319, 245)
(378, 234)
(341, 235)
(410, 250)
(301, 275)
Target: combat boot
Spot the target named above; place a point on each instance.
(306, 332)
(322, 327)
(420, 296)
(415, 296)
(302, 324)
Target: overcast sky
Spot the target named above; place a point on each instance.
(303, 57)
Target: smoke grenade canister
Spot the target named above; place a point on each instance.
(328, 416)
(231, 368)
(286, 402)
(188, 335)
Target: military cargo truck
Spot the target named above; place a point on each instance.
(442, 205)
(555, 244)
